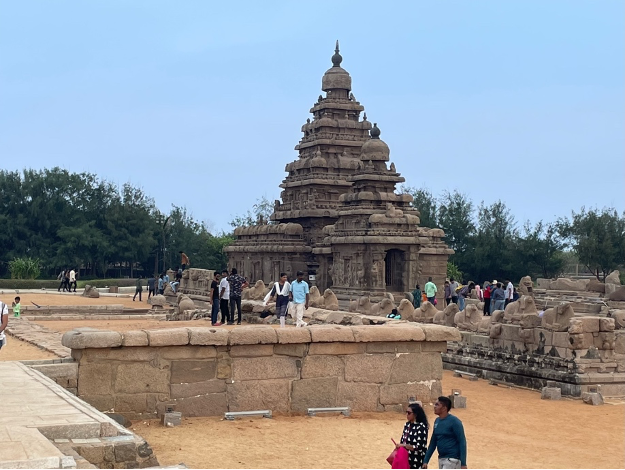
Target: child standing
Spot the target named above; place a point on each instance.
(16, 307)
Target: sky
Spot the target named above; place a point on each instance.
(200, 103)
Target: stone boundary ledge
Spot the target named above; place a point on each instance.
(37, 335)
(91, 338)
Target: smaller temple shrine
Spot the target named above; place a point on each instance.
(340, 218)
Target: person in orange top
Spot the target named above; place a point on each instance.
(184, 260)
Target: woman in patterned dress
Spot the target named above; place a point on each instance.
(415, 435)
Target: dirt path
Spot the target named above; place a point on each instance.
(505, 428)
(65, 298)
(16, 350)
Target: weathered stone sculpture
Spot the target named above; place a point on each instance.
(595, 286)
(256, 292)
(382, 308)
(409, 297)
(468, 319)
(167, 289)
(315, 298)
(184, 303)
(91, 292)
(446, 317)
(619, 319)
(515, 310)
(487, 322)
(407, 311)
(618, 295)
(526, 286)
(330, 302)
(362, 305)
(426, 312)
(157, 301)
(564, 283)
(558, 318)
(496, 328)
(613, 278)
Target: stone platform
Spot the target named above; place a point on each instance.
(44, 426)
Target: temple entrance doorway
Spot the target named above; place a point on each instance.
(394, 270)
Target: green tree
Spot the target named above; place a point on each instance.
(455, 217)
(260, 214)
(597, 237)
(453, 272)
(492, 247)
(538, 252)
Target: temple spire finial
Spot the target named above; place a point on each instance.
(336, 58)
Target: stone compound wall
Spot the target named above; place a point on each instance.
(589, 352)
(208, 371)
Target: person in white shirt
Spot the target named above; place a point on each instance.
(4, 312)
(509, 292)
(72, 280)
(224, 297)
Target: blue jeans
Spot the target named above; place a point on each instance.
(215, 311)
(460, 302)
(431, 300)
(500, 304)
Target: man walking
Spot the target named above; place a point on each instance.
(300, 295)
(224, 297)
(237, 283)
(72, 280)
(61, 277)
(215, 300)
(447, 437)
(138, 289)
(430, 290)
(151, 286)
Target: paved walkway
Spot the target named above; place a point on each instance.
(35, 410)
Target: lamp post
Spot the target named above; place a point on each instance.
(159, 222)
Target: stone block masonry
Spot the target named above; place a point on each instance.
(208, 371)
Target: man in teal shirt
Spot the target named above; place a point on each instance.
(300, 295)
(430, 290)
(447, 437)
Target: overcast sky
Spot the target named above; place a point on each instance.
(201, 102)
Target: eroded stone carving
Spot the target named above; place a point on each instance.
(91, 292)
(184, 303)
(426, 312)
(564, 283)
(446, 317)
(515, 310)
(468, 319)
(362, 305)
(613, 278)
(526, 286)
(382, 308)
(406, 310)
(330, 302)
(558, 318)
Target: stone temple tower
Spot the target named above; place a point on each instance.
(328, 153)
(339, 218)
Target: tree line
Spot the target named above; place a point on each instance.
(489, 244)
(77, 220)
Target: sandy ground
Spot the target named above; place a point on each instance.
(17, 350)
(65, 298)
(505, 428)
